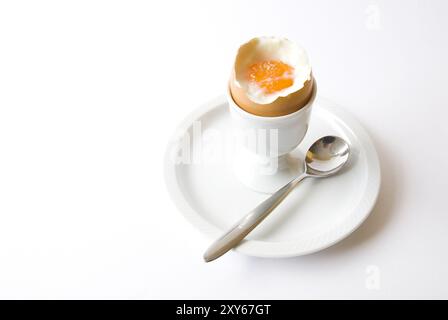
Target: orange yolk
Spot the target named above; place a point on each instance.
(271, 75)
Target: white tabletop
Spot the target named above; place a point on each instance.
(90, 91)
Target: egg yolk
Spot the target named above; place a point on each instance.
(271, 75)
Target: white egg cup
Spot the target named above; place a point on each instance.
(263, 160)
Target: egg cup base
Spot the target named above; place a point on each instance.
(264, 174)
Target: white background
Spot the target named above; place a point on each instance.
(91, 90)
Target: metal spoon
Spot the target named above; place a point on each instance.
(324, 158)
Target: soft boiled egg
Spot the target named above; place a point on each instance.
(271, 77)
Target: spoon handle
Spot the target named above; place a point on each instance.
(244, 226)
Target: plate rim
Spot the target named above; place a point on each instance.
(282, 249)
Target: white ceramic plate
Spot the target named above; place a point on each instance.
(316, 215)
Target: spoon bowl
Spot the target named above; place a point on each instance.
(326, 156)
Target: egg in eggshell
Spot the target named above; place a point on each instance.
(271, 77)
